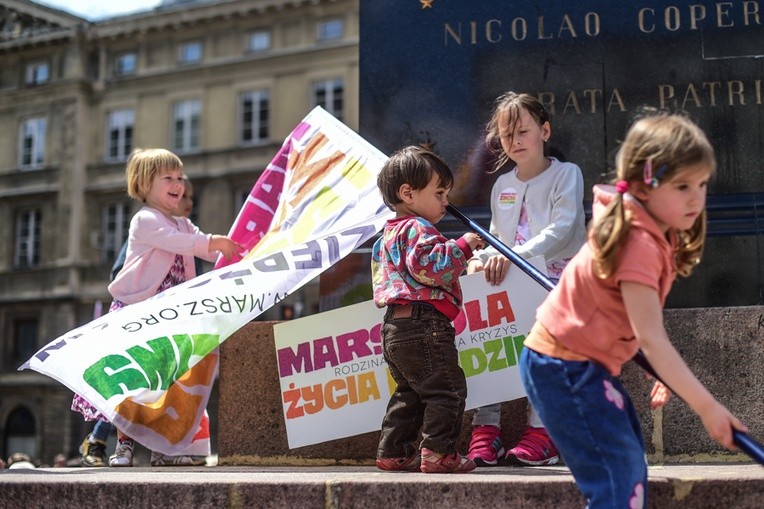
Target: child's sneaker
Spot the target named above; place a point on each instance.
(485, 446)
(454, 463)
(403, 464)
(163, 460)
(123, 454)
(534, 448)
(93, 452)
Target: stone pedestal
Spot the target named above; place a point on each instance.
(723, 346)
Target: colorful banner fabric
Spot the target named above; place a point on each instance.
(335, 382)
(150, 366)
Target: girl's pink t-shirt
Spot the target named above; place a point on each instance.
(586, 314)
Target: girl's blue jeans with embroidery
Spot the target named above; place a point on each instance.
(593, 423)
(431, 389)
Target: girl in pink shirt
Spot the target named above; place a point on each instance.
(161, 250)
(647, 228)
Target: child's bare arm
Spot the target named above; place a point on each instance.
(646, 317)
(225, 245)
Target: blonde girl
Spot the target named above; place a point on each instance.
(160, 255)
(647, 228)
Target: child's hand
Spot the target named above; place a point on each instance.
(474, 240)
(225, 245)
(719, 422)
(496, 269)
(659, 395)
(474, 266)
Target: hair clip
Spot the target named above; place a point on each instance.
(621, 186)
(648, 177)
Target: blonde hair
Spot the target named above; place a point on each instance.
(670, 143)
(512, 103)
(143, 165)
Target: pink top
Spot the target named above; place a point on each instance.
(154, 240)
(586, 314)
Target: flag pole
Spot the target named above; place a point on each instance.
(747, 444)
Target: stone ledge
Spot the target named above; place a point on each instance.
(723, 347)
(670, 487)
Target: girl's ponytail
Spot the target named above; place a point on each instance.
(607, 234)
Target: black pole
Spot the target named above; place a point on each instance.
(505, 250)
(747, 444)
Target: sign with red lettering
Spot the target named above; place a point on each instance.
(334, 379)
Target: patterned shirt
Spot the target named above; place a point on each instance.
(523, 235)
(413, 262)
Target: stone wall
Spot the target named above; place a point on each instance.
(723, 346)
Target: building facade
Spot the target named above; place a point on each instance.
(219, 82)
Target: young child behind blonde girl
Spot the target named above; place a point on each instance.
(160, 253)
(536, 209)
(647, 228)
(415, 274)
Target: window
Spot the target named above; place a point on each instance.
(37, 73)
(186, 118)
(20, 432)
(119, 135)
(115, 226)
(125, 64)
(259, 40)
(329, 95)
(27, 243)
(190, 52)
(329, 30)
(24, 338)
(32, 152)
(255, 113)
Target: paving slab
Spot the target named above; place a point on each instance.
(738, 485)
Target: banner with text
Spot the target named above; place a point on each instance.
(334, 379)
(149, 367)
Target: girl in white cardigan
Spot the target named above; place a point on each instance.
(537, 210)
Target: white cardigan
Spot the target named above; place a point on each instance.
(554, 203)
(154, 241)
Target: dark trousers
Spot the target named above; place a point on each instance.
(431, 389)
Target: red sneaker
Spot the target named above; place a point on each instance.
(534, 448)
(485, 446)
(454, 463)
(405, 464)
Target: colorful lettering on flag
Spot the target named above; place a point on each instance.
(150, 366)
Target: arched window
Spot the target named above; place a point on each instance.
(20, 433)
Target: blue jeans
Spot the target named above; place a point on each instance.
(431, 389)
(101, 430)
(593, 423)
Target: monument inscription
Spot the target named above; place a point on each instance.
(430, 70)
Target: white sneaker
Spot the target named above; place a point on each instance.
(123, 454)
(162, 460)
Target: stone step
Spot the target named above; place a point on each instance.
(719, 485)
